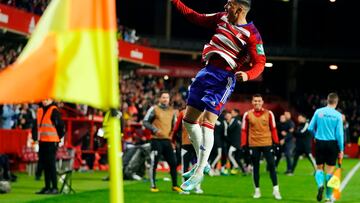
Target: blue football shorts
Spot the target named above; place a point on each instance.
(211, 89)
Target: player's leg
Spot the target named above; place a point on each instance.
(288, 155)
(191, 123)
(269, 156)
(224, 156)
(320, 155)
(217, 85)
(307, 151)
(207, 126)
(298, 152)
(169, 156)
(332, 153)
(213, 163)
(278, 154)
(154, 159)
(231, 155)
(255, 158)
(194, 109)
(186, 156)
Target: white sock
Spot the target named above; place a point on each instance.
(195, 135)
(206, 147)
(276, 188)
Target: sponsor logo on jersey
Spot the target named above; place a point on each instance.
(260, 49)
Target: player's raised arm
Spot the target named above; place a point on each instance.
(205, 20)
(256, 57)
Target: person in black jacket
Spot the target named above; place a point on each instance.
(48, 131)
(303, 142)
(233, 124)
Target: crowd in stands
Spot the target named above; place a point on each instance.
(38, 7)
(138, 94)
(8, 53)
(34, 6)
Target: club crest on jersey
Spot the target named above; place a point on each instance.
(260, 49)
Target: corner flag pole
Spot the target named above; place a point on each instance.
(115, 161)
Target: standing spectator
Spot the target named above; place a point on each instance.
(281, 128)
(303, 142)
(327, 126)
(259, 133)
(234, 134)
(289, 142)
(48, 131)
(26, 117)
(9, 116)
(225, 144)
(235, 52)
(346, 129)
(160, 120)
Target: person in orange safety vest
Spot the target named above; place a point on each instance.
(48, 131)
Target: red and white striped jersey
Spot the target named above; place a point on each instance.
(238, 45)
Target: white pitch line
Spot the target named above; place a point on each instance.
(349, 176)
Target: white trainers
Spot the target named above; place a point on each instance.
(191, 172)
(257, 193)
(192, 182)
(199, 191)
(277, 195)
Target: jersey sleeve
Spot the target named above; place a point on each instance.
(340, 133)
(204, 20)
(273, 129)
(312, 125)
(244, 130)
(256, 54)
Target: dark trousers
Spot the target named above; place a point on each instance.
(303, 146)
(4, 167)
(188, 155)
(162, 147)
(255, 157)
(224, 152)
(39, 169)
(288, 150)
(47, 159)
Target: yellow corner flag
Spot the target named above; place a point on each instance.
(72, 56)
(335, 181)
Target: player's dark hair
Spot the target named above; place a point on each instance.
(237, 111)
(256, 95)
(163, 92)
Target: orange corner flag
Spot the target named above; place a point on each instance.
(71, 56)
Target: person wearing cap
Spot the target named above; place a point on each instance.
(235, 52)
(48, 131)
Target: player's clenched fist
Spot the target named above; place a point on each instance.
(241, 76)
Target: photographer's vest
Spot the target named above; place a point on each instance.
(259, 130)
(163, 121)
(46, 129)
